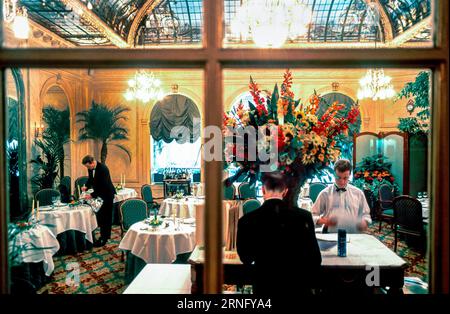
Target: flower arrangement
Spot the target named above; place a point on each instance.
(179, 195)
(372, 172)
(304, 143)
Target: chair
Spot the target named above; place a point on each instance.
(247, 191)
(79, 182)
(45, 196)
(250, 205)
(147, 196)
(229, 193)
(408, 218)
(131, 211)
(385, 204)
(67, 182)
(65, 189)
(315, 189)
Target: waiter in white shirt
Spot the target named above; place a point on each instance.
(342, 205)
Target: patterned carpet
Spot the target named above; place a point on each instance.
(101, 271)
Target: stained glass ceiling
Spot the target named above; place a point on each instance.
(147, 23)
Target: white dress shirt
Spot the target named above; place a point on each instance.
(348, 207)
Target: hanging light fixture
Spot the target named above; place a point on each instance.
(18, 16)
(144, 87)
(271, 22)
(376, 85)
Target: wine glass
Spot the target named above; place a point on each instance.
(424, 194)
(419, 195)
(55, 200)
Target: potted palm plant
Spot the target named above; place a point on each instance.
(103, 124)
(57, 131)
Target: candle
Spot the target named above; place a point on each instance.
(32, 208)
(37, 211)
(124, 180)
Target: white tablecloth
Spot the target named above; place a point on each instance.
(232, 211)
(362, 250)
(61, 219)
(162, 279)
(159, 246)
(305, 203)
(182, 208)
(28, 243)
(124, 194)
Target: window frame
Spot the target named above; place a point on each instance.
(212, 58)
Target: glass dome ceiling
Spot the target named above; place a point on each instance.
(147, 23)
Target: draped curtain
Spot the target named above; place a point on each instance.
(173, 119)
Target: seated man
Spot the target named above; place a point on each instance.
(342, 205)
(279, 243)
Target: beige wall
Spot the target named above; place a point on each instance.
(107, 86)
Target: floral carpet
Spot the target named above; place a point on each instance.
(101, 271)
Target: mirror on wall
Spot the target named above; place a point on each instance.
(52, 153)
(16, 143)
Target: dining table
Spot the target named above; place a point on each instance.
(365, 253)
(73, 225)
(147, 244)
(31, 252)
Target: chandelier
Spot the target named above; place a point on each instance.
(144, 87)
(18, 16)
(271, 22)
(375, 85)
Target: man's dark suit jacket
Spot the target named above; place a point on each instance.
(101, 182)
(281, 246)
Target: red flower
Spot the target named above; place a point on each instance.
(391, 178)
(280, 140)
(369, 179)
(261, 109)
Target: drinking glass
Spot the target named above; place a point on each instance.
(55, 200)
(424, 194)
(419, 195)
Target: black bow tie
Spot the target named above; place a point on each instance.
(340, 189)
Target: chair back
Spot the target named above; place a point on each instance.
(247, 191)
(250, 205)
(45, 196)
(408, 214)
(67, 182)
(79, 182)
(132, 210)
(385, 197)
(315, 189)
(229, 193)
(146, 193)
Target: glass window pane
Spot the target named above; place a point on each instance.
(103, 24)
(328, 23)
(55, 118)
(389, 129)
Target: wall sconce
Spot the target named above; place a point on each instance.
(174, 88)
(410, 106)
(38, 130)
(335, 86)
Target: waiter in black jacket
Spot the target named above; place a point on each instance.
(100, 181)
(279, 243)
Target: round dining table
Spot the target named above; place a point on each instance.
(73, 226)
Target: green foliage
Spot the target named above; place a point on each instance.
(376, 162)
(372, 172)
(412, 126)
(104, 124)
(419, 92)
(47, 163)
(57, 131)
